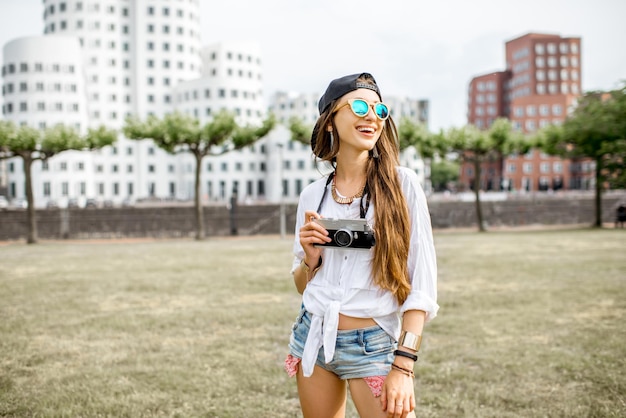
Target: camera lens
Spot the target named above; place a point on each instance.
(343, 237)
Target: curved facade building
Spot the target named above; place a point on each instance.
(104, 60)
(43, 86)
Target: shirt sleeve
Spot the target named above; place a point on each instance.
(422, 262)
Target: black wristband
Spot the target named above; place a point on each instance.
(405, 354)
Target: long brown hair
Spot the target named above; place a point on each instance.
(391, 215)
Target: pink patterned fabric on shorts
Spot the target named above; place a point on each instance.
(375, 384)
(291, 365)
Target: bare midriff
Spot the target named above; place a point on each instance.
(350, 322)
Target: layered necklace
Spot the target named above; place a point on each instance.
(344, 200)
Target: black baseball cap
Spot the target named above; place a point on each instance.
(340, 86)
(337, 88)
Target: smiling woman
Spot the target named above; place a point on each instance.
(368, 277)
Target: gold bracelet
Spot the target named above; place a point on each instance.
(307, 269)
(409, 340)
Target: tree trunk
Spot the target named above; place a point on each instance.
(198, 200)
(30, 210)
(598, 196)
(479, 211)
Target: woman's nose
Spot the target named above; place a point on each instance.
(370, 113)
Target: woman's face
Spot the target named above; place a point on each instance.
(357, 133)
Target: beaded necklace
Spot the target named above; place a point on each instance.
(344, 200)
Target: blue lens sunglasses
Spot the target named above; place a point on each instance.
(361, 108)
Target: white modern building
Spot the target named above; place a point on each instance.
(101, 61)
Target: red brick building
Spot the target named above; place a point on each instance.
(541, 82)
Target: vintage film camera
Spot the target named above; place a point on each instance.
(348, 233)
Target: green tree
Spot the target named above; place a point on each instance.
(442, 173)
(474, 146)
(176, 132)
(596, 129)
(32, 145)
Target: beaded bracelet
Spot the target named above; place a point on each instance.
(405, 354)
(403, 370)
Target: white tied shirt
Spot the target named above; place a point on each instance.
(345, 285)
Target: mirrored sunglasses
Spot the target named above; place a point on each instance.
(361, 108)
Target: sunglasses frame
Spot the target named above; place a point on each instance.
(369, 105)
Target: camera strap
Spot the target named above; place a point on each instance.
(364, 200)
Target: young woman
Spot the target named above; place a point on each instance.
(363, 310)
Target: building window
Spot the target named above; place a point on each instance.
(557, 109)
(528, 168)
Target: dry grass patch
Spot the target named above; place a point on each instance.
(531, 324)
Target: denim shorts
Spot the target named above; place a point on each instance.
(359, 353)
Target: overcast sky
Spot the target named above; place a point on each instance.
(415, 48)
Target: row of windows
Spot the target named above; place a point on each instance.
(488, 86)
(166, 47)
(551, 48)
(221, 185)
(490, 98)
(531, 125)
(43, 125)
(491, 111)
(544, 167)
(231, 72)
(543, 110)
(237, 110)
(166, 65)
(95, 7)
(221, 93)
(37, 67)
(39, 86)
(240, 57)
(553, 88)
(553, 75)
(96, 25)
(8, 108)
(165, 11)
(564, 61)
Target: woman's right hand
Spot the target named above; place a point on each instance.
(312, 233)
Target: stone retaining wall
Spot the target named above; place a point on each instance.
(177, 222)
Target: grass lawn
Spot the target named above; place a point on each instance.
(531, 325)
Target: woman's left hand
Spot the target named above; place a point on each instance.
(398, 395)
